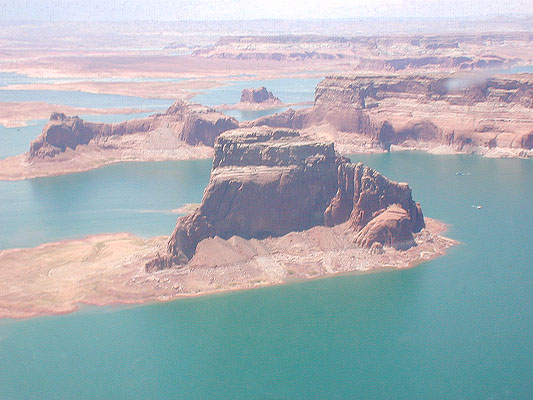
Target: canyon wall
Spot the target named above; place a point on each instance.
(469, 112)
(382, 52)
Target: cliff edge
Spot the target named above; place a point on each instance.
(468, 113)
(258, 96)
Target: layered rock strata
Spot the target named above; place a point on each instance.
(382, 52)
(467, 113)
(190, 124)
(269, 182)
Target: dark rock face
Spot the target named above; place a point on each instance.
(269, 182)
(193, 124)
(261, 95)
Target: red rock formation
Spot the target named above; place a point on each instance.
(269, 182)
(192, 124)
(466, 112)
(261, 95)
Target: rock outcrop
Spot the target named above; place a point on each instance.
(191, 124)
(268, 182)
(469, 113)
(258, 96)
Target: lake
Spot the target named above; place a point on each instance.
(14, 141)
(456, 327)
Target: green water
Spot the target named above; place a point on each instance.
(458, 327)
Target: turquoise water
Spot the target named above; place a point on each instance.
(458, 327)
(40, 210)
(14, 141)
(13, 78)
(288, 90)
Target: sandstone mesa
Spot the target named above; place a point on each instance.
(69, 144)
(492, 116)
(439, 113)
(269, 182)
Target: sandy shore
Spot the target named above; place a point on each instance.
(56, 278)
(142, 64)
(14, 115)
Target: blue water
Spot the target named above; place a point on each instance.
(249, 115)
(458, 327)
(13, 78)
(14, 141)
(521, 69)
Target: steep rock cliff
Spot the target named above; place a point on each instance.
(269, 182)
(260, 95)
(468, 112)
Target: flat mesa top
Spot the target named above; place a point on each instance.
(267, 146)
(258, 134)
(268, 136)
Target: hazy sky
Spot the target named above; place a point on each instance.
(165, 10)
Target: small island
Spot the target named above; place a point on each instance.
(279, 207)
(259, 96)
(259, 99)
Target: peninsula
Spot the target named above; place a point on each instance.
(279, 207)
